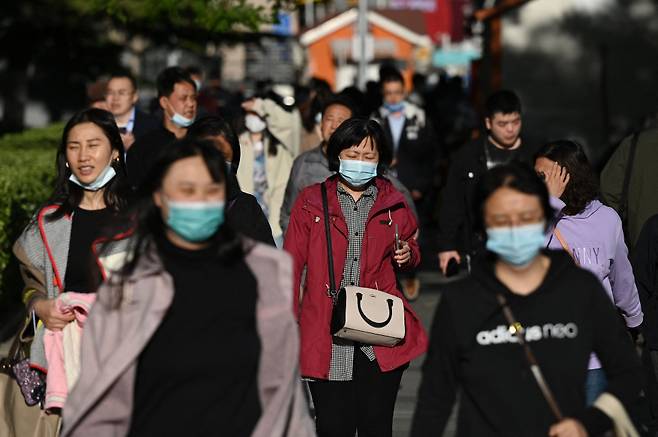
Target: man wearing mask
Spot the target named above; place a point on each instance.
(502, 144)
(121, 97)
(415, 151)
(177, 98)
(312, 166)
(415, 145)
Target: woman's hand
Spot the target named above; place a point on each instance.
(403, 255)
(54, 319)
(557, 180)
(567, 428)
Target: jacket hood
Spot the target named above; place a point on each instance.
(483, 271)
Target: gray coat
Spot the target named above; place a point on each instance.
(42, 251)
(312, 167)
(124, 319)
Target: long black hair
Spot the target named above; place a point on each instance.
(146, 215)
(583, 187)
(68, 195)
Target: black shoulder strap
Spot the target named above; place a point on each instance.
(623, 201)
(327, 231)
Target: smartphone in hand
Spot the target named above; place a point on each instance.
(398, 246)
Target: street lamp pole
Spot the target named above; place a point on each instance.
(362, 27)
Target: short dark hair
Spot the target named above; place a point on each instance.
(350, 133)
(339, 99)
(583, 186)
(503, 101)
(214, 125)
(517, 176)
(390, 74)
(169, 77)
(121, 74)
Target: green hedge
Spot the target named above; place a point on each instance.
(27, 172)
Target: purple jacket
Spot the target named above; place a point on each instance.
(596, 241)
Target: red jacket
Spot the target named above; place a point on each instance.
(305, 240)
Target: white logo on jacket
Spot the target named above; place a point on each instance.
(532, 333)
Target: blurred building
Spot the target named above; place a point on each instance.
(333, 50)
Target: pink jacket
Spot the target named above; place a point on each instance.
(127, 315)
(63, 348)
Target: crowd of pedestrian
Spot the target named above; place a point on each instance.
(236, 266)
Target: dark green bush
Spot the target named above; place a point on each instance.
(27, 172)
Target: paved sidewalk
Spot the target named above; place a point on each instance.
(406, 402)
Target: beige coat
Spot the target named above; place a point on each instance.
(277, 169)
(101, 402)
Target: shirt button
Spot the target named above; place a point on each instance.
(356, 209)
(352, 283)
(356, 234)
(356, 258)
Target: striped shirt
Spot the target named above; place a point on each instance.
(356, 215)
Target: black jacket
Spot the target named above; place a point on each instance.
(144, 152)
(566, 319)
(645, 268)
(144, 123)
(418, 149)
(245, 216)
(456, 216)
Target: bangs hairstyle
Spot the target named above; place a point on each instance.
(147, 217)
(517, 176)
(350, 133)
(583, 186)
(69, 195)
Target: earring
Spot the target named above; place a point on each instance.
(67, 165)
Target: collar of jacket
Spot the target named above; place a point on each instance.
(387, 197)
(411, 112)
(96, 245)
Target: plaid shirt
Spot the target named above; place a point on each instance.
(356, 215)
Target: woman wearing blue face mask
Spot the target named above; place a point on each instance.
(353, 385)
(195, 335)
(516, 336)
(58, 251)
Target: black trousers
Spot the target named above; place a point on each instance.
(365, 404)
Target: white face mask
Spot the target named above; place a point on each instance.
(103, 179)
(254, 123)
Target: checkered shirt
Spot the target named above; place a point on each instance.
(356, 215)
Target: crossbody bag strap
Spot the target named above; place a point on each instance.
(564, 244)
(333, 293)
(519, 332)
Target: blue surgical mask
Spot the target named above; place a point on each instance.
(517, 245)
(394, 107)
(195, 221)
(357, 173)
(103, 179)
(181, 121)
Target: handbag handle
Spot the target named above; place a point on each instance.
(332, 292)
(530, 357)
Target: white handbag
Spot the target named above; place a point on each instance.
(362, 314)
